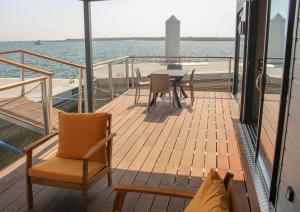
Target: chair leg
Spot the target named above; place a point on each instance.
(109, 178)
(170, 99)
(174, 106)
(85, 200)
(139, 94)
(119, 201)
(136, 93)
(149, 101)
(29, 192)
(192, 94)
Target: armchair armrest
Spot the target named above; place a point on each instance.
(123, 189)
(152, 190)
(39, 142)
(100, 144)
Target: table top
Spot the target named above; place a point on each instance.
(171, 73)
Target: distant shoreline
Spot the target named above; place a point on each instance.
(138, 38)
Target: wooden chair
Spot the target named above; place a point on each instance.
(122, 190)
(188, 84)
(160, 84)
(76, 174)
(139, 84)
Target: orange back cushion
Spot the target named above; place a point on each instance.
(79, 132)
(211, 197)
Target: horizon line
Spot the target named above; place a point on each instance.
(154, 38)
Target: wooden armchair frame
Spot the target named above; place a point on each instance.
(86, 184)
(122, 190)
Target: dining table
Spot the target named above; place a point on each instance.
(175, 76)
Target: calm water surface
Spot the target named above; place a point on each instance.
(102, 50)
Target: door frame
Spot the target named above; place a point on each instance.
(244, 6)
(284, 89)
(283, 99)
(248, 77)
(251, 63)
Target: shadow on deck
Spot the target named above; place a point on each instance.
(168, 149)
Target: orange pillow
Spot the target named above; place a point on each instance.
(211, 197)
(79, 132)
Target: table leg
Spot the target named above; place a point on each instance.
(176, 96)
(183, 92)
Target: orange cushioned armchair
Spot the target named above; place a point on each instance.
(214, 195)
(83, 156)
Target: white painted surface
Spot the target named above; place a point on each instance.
(172, 47)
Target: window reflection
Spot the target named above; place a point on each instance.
(241, 43)
(274, 74)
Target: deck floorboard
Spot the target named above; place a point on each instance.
(28, 111)
(166, 148)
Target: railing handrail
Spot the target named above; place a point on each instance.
(44, 57)
(22, 83)
(110, 61)
(53, 59)
(23, 66)
(179, 57)
(20, 65)
(10, 52)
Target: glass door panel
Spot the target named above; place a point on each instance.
(240, 56)
(273, 78)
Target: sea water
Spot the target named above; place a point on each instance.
(73, 51)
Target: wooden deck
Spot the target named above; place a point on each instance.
(161, 149)
(27, 111)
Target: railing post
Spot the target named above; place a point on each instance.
(132, 75)
(85, 91)
(50, 103)
(45, 104)
(127, 73)
(110, 82)
(80, 91)
(229, 76)
(22, 74)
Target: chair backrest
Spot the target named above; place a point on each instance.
(174, 66)
(160, 83)
(232, 193)
(138, 75)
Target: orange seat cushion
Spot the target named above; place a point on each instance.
(211, 197)
(79, 132)
(64, 170)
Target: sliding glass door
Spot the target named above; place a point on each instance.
(273, 75)
(240, 49)
(274, 90)
(267, 83)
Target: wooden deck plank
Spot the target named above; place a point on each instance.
(27, 110)
(123, 165)
(164, 149)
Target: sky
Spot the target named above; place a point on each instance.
(61, 19)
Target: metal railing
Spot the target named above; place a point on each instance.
(116, 76)
(212, 72)
(111, 79)
(46, 90)
(46, 99)
(81, 70)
